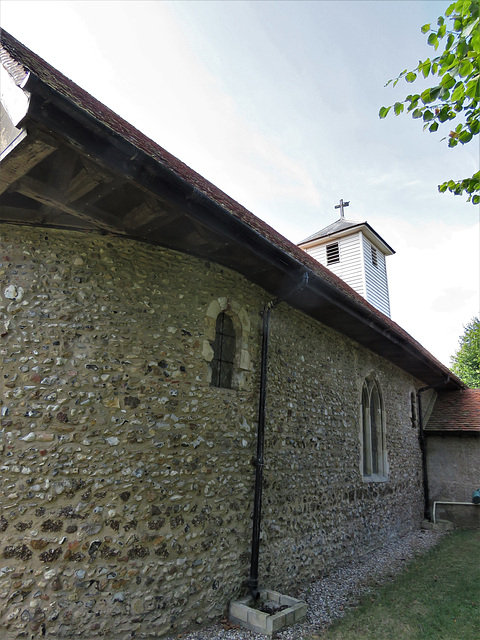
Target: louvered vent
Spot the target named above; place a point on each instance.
(333, 253)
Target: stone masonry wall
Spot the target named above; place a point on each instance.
(317, 505)
(454, 474)
(126, 480)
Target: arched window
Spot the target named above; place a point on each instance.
(373, 434)
(224, 347)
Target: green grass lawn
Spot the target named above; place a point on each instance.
(437, 597)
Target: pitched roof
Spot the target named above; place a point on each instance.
(230, 233)
(341, 225)
(456, 411)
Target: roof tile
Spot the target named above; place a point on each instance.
(456, 411)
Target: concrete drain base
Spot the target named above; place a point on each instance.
(244, 613)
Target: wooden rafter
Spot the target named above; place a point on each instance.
(52, 197)
(26, 155)
(60, 174)
(143, 216)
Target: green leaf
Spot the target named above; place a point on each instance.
(384, 112)
(475, 42)
(465, 137)
(441, 32)
(450, 41)
(448, 60)
(398, 108)
(433, 40)
(447, 81)
(473, 88)
(476, 199)
(417, 113)
(450, 10)
(425, 67)
(411, 77)
(462, 49)
(443, 115)
(425, 28)
(433, 127)
(474, 126)
(427, 115)
(466, 68)
(459, 92)
(425, 96)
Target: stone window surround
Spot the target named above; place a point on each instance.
(382, 475)
(241, 323)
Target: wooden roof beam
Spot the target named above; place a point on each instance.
(51, 197)
(22, 158)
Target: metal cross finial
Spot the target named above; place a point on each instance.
(341, 206)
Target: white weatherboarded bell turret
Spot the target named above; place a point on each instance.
(356, 254)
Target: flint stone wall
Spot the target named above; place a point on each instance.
(127, 480)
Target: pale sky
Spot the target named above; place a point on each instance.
(277, 104)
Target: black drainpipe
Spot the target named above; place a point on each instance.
(423, 447)
(257, 505)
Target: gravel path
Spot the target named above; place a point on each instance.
(330, 597)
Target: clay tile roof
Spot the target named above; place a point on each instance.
(456, 411)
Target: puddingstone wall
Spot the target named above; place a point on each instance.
(127, 481)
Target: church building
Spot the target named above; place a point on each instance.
(177, 375)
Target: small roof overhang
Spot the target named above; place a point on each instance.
(456, 412)
(342, 228)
